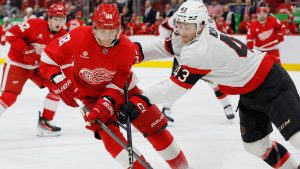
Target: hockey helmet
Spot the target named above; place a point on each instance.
(57, 10)
(192, 12)
(107, 16)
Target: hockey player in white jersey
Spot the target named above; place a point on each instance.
(267, 93)
(151, 51)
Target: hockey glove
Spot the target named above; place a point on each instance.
(137, 104)
(67, 92)
(102, 110)
(280, 37)
(30, 56)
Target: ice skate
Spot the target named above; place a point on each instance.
(46, 128)
(229, 112)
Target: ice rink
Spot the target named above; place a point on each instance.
(200, 129)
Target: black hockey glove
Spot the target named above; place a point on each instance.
(137, 104)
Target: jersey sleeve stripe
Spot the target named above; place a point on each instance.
(167, 25)
(187, 77)
(168, 46)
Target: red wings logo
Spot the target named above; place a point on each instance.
(96, 76)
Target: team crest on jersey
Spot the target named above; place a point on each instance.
(40, 36)
(85, 55)
(105, 51)
(96, 76)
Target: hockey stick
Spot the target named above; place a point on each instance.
(265, 45)
(128, 130)
(84, 110)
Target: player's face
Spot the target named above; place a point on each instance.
(105, 36)
(262, 16)
(56, 23)
(187, 31)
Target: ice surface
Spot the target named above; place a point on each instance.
(200, 129)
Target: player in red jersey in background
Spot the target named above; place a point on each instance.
(102, 59)
(27, 41)
(266, 33)
(291, 26)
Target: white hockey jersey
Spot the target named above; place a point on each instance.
(216, 58)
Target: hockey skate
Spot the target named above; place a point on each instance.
(46, 128)
(229, 112)
(167, 112)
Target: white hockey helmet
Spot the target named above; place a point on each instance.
(192, 11)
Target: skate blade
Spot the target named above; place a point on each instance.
(48, 134)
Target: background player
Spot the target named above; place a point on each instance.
(267, 93)
(266, 33)
(27, 41)
(102, 63)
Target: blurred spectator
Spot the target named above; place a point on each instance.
(38, 11)
(125, 16)
(149, 14)
(7, 9)
(6, 24)
(28, 14)
(296, 8)
(154, 27)
(121, 4)
(141, 28)
(130, 27)
(238, 8)
(222, 26)
(215, 9)
(168, 12)
(74, 23)
(229, 17)
(248, 10)
(285, 7)
(244, 25)
(174, 5)
(291, 26)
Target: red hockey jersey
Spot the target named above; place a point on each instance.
(34, 32)
(96, 68)
(265, 36)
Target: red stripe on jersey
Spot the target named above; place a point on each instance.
(260, 75)
(187, 77)
(167, 25)
(282, 160)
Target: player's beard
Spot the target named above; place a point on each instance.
(107, 43)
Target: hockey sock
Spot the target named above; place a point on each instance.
(223, 99)
(276, 156)
(165, 145)
(115, 149)
(50, 106)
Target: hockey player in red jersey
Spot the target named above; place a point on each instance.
(266, 33)
(27, 41)
(102, 59)
(267, 93)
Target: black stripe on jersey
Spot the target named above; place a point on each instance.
(187, 77)
(168, 46)
(167, 26)
(140, 51)
(218, 93)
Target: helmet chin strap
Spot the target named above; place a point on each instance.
(112, 43)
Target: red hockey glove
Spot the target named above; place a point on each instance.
(138, 104)
(67, 92)
(102, 110)
(30, 56)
